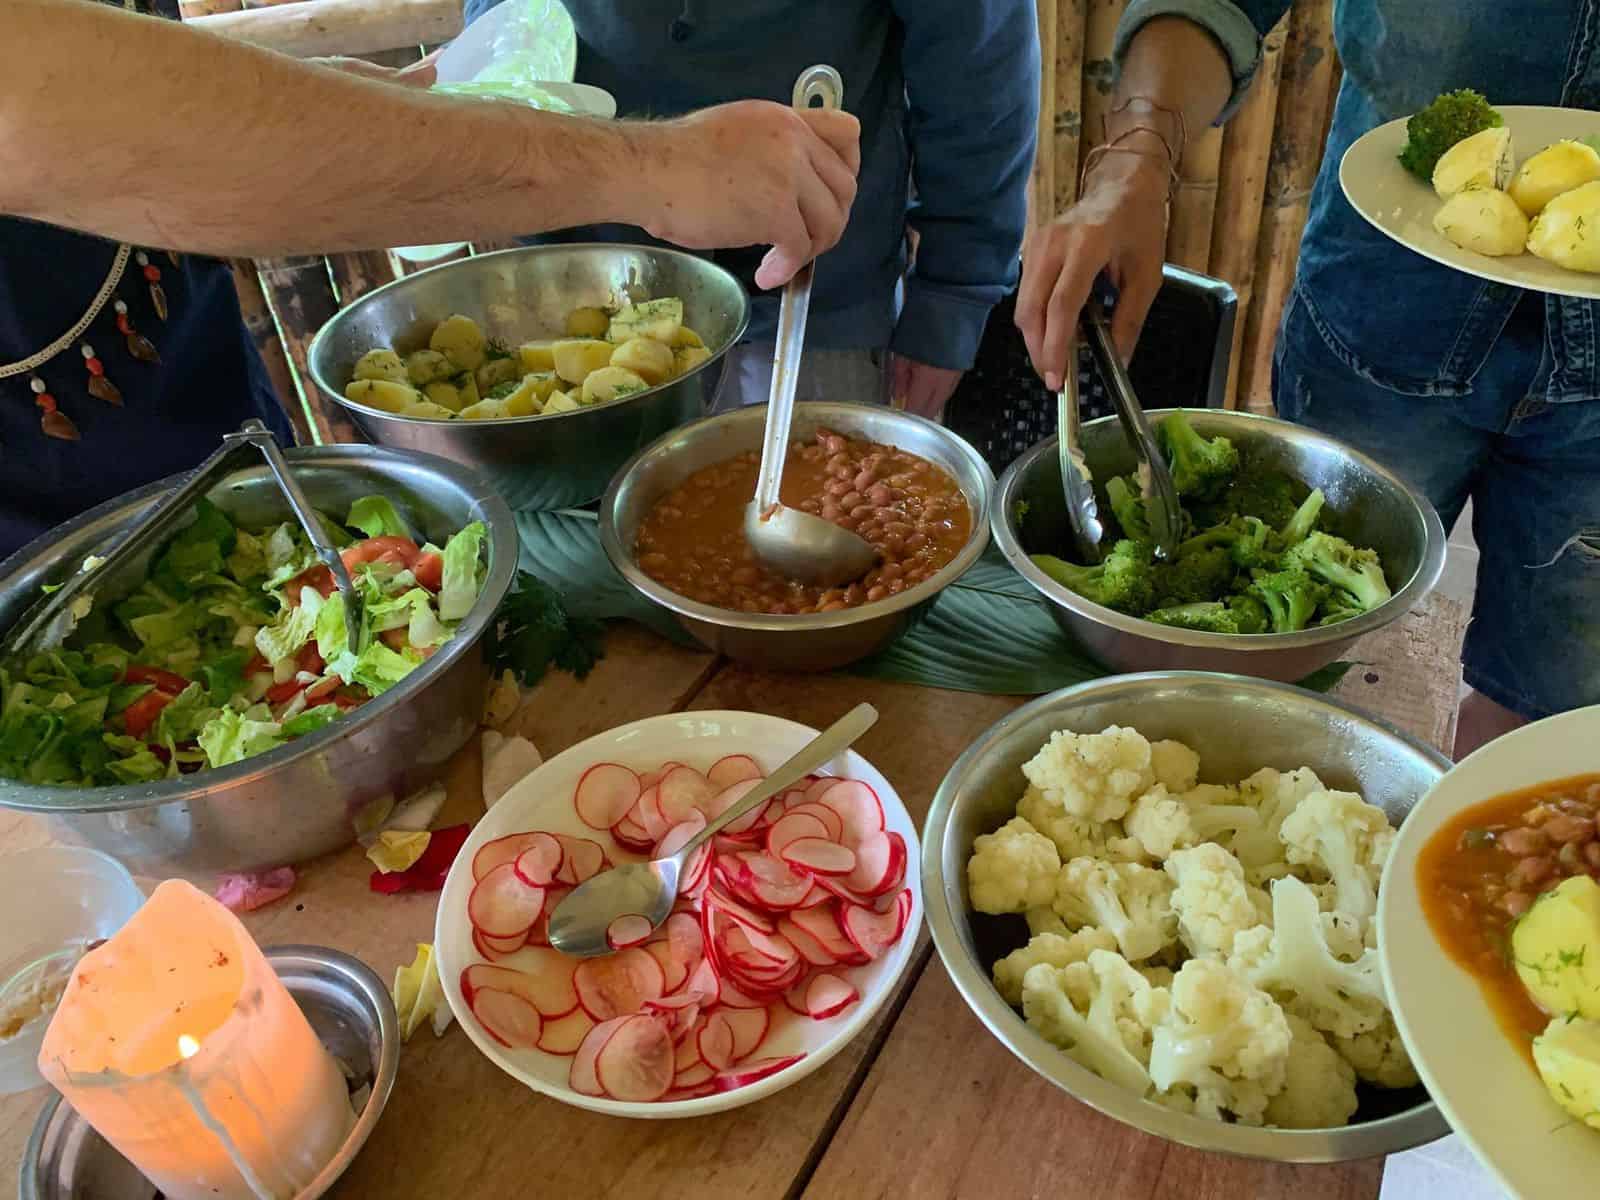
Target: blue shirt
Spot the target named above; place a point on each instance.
(1395, 317)
(946, 91)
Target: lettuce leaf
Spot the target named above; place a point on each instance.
(231, 737)
(292, 630)
(378, 668)
(413, 611)
(375, 516)
(462, 577)
(310, 720)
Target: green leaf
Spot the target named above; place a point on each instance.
(378, 668)
(533, 631)
(230, 737)
(292, 630)
(462, 578)
(310, 720)
(375, 516)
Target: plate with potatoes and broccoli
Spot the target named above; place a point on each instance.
(1509, 194)
(1489, 934)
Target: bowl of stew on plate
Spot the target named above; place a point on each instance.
(672, 524)
(1489, 931)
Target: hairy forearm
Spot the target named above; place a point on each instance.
(152, 133)
(1176, 65)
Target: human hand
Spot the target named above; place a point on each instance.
(753, 173)
(919, 388)
(421, 73)
(1118, 226)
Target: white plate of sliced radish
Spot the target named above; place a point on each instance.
(789, 931)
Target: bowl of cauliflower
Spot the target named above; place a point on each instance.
(1160, 892)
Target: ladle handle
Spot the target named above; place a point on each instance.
(815, 83)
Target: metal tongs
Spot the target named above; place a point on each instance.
(1155, 480)
(48, 622)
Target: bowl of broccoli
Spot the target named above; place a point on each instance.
(1292, 546)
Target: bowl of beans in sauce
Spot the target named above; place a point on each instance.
(673, 525)
(1489, 933)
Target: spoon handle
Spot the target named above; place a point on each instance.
(819, 83)
(827, 745)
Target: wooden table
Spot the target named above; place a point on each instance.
(924, 1103)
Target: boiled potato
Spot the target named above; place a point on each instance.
(424, 366)
(610, 382)
(532, 392)
(522, 403)
(686, 337)
(445, 394)
(577, 357)
(560, 402)
(645, 357)
(1552, 171)
(1482, 160)
(484, 410)
(537, 356)
(381, 364)
(460, 340)
(496, 371)
(382, 394)
(1565, 233)
(659, 319)
(588, 323)
(687, 358)
(1555, 947)
(1567, 1054)
(427, 408)
(1483, 220)
(468, 387)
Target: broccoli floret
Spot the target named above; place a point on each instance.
(1450, 118)
(1201, 467)
(1267, 495)
(1355, 575)
(1127, 505)
(1249, 613)
(1211, 617)
(1202, 574)
(1125, 580)
(1291, 597)
(1245, 539)
(1304, 520)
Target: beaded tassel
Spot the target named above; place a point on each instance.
(100, 387)
(152, 276)
(52, 420)
(138, 345)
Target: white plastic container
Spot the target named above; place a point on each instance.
(53, 897)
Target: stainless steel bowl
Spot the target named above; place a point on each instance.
(518, 295)
(299, 800)
(1366, 502)
(1237, 725)
(814, 641)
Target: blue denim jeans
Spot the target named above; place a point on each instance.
(1531, 469)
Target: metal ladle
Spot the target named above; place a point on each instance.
(793, 543)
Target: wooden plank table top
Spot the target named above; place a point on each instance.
(923, 1103)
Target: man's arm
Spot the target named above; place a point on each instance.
(1190, 57)
(235, 150)
(972, 78)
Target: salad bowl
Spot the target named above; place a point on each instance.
(301, 799)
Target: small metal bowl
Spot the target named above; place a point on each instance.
(1367, 503)
(561, 459)
(300, 800)
(1237, 726)
(811, 641)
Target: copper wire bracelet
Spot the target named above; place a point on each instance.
(1096, 153)
(1151, 107)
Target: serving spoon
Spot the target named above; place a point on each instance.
(579, 924)
(794, 543)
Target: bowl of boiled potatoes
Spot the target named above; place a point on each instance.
(546, 367)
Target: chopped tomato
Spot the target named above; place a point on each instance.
(396, 639)
(309, 659)
(257, 665)
(322, 689)
(429, 570)
(287, 690)
(318, 577)
(164, 680)
(351, 697)
(401, 551)
(142, 713)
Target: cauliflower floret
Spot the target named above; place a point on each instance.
(1077, 837)
(1012, 869)
(1049, 948)
(1273, 794)
(1176, 767)
(1160, 977)
(1221, 1032)
(1092, 775)
(1293, 961)
(1046, 920)
(1100, 1011)
(1134, 903)
(1319, 1087)
(1211, 899)
(1379, 1056)
(1345, 839)
(1342, 931)
(1163, 822)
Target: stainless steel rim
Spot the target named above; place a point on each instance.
(504, 550)
(1422, 580)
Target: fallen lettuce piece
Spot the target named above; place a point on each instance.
(428, 873)
(375, 516)
(419, 996)
(506, 761)
(397, 849)
(250, 890)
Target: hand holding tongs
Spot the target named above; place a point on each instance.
(1160, 496)
(49, 622)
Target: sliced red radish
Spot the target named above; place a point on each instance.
(746, 916)
(858, 807)
(581, 1077)
(539, 935)
(682, 791)
(821, 923)
(539, 861)
(508, 1019)
(732, 997)
(690, 1093)
(547, 984)
(820, 856)
(502, 850)
(717, 1040)
(635, 1064)
(749, 1027)
(829, 818)
(874, 932)
(632, 835)
(874, 863)
(795, 999)
(687, 1053)
(628, 930)
(686, 941)
(694, 1075)
(818, 785)
(843, 891)
(727, 798)
(502, 905)
(735, 768)
(648, 814)
(564, 1035)
(618, 984)
(673, 972)
(583, 859)
(649, 779)
(703, 979)
(606, 791)
(753, 1071)
(773, 883)
(828, 996)
(791, 827)
(679, 835)
(496, 949)
(809, 948)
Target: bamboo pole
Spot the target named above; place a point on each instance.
(1241, 187)
(263, 331)
(1042, 178)
(1304, 93)
(489, 246)
(300, 294)
(1066, 122)
(359, 272)
(1194, 205)
(188, 10)
(309, 28)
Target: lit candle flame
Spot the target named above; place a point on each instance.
(187, 1046)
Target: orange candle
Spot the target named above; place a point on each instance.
(177, 1041)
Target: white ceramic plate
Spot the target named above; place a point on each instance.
(1482, 1083)
(543, 800)
(1400, 205)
